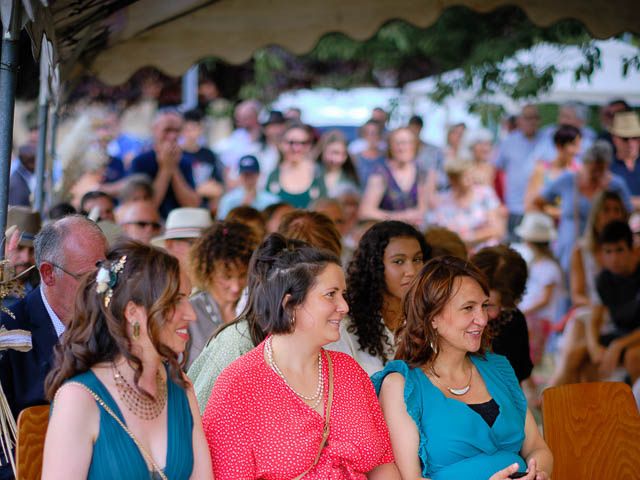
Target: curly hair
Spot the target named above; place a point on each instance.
(430, 291)
(98, 333)
(366, 284)
(312, 227)
(229, 242)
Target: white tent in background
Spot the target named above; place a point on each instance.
(606, 83)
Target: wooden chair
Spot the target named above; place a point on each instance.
(593, 430)
(32, 427)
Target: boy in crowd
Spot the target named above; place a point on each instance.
(619, 289)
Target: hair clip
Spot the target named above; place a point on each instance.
(107, 277)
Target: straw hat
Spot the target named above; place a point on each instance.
(536, 227)
(184, 223)
(27, 221)
(626, 125)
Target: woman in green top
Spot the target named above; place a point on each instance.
(121, 405)
(297, 180)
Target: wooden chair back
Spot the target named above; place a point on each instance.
(593, 430)
(32, 428)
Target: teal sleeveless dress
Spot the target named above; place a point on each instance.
(455, 441)
(115, 455)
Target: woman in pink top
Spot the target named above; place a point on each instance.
(268, 410)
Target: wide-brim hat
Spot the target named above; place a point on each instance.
(184, 223)
(27, 221)
(626, 125)
(536, 227)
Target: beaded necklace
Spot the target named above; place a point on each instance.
(316, 398)
(142, 406)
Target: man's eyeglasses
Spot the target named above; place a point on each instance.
(143, 224)
(75, 276)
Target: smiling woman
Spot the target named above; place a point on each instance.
(289, 408)
(454, 410)
(121, 408)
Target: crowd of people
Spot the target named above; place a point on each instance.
(291, 304)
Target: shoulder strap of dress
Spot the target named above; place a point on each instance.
(327, 415)
(143, 451)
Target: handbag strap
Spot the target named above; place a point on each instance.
(143, 451)
(327, 417)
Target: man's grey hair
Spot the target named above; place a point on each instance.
(600, 151)
(49, 242)
(580, 109)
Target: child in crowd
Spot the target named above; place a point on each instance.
(619, 288)
(544, 292)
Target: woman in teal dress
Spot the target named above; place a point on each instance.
(454, 410)
(121, 408)
(297, 179)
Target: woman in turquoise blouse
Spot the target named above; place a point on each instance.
(453, 409)
(121, 407)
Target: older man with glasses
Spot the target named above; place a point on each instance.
(65, 251)
(625, 135)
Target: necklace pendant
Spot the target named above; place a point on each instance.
(459, 391)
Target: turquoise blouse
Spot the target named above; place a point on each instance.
(455, 441)
(115, 455)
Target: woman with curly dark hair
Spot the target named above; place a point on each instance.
(121, 407)
(219, 262)
(388, 256)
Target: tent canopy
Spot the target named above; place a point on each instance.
(114, 38)
(605, 83)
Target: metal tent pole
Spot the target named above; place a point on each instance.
(41, 155)
(8, 70)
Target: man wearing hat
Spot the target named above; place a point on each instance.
(183, 226)
(22, 180)
(26, 224)
(248, 192)
(625, 135)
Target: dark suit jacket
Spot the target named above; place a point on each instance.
(22, 374)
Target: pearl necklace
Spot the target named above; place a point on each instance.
(454, 391)
(317, 396)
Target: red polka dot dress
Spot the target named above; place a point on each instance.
(257, 428)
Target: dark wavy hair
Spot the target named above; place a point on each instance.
(282, 268)
(229, 242)
(505, 270)
(366, 285)
(151, 279)
(427, 297)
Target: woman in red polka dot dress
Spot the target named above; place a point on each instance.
(267, 414)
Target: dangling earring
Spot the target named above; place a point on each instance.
(293, 319)
(434, 343)
(136, 330)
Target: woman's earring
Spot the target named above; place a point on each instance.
(293, 319)
(434, 343)
(136, 330)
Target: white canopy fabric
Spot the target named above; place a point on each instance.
(606, 83)
(114, 38)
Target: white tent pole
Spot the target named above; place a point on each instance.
(43, 123)
(190, 88)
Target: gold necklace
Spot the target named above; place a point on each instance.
(141, 405)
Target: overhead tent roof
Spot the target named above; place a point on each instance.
(114, 38)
